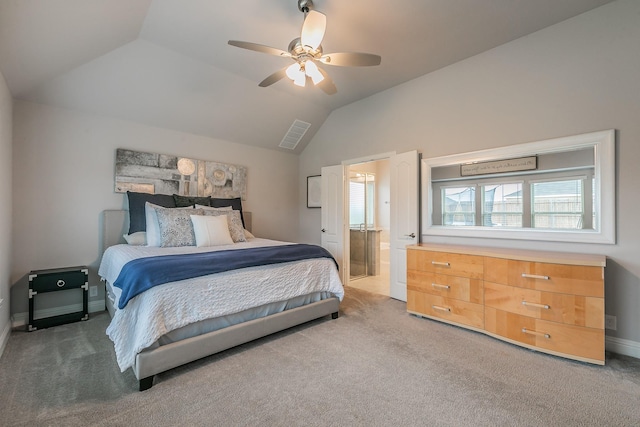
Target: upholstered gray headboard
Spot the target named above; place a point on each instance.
(115, 223)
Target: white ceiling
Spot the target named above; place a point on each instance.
(167, 63)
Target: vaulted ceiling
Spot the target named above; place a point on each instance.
(167, 63)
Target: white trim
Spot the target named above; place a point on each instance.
(372, 158)
(21, 319)
(605, 233)
(622, 346)
(4, 337)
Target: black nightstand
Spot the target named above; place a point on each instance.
(54, 280)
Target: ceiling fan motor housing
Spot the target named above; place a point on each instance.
(300, 52)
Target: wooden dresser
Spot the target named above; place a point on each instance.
(548, 301)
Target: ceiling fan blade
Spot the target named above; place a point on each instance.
(278, 75)
(313, 28)
(327, 84)
(259, 48)
(351, 59)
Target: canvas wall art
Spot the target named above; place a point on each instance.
(166, 174)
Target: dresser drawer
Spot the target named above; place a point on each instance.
(448, 309)
(564, 308)
(446, 263)
(42, 283)
(562, 278)
(58, 279)
(462, 288)
(556, 338)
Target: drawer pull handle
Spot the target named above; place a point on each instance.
(437, 307)
(439, 286)
(60, 283)
(533, 304)
(536, 333)
(534, 276)
(444, 264)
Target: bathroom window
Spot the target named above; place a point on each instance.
(361, 200)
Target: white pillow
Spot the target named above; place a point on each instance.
(234, 220)
(153, 227)
(211, 230)
(138, 238)
(211, 208)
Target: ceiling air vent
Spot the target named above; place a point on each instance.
(295, 134)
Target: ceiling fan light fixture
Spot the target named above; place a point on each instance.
(300, 80)
(311, 69)
(313, 28)
(296, 73)
(293, 71)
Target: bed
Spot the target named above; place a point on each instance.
(164, 326)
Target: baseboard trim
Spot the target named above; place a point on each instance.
(622, 346)
(4, 337)
(21, 319)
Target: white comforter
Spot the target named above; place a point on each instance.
(167, 307)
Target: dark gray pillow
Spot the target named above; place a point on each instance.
(185, 201)
(236, 204)
(137, 218)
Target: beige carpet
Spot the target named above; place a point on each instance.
(374, 366)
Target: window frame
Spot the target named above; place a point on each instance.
(603, 144)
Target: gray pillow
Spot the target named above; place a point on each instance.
(235, 223)
(137, 219)
(236, 204)
(176, 228)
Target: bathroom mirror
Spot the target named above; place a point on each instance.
(561, 189)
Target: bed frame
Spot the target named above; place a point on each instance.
(160, 359)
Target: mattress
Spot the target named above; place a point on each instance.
(210, 325)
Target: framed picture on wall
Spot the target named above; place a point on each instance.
(313, 191)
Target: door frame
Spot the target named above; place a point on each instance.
(346, 263)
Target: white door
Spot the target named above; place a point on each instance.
(404, 218)
(332, 215)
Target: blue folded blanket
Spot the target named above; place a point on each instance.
(141, 274)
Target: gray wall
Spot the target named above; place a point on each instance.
(6, 144)
(575, 77)
(66, 179)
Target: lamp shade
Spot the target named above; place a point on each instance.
(313, 29)
(311, 69)
(295, 73)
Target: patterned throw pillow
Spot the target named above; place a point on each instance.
(235, 223)
(176, 228)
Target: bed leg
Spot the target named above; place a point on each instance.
(146, 383)
(334, 315)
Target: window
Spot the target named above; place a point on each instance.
(559, 205)
(560, 189)
(458, 206)
(502, 205)
(361, 200)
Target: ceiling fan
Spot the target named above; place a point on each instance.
(306, 52)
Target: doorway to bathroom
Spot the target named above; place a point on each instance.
(369, 226)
